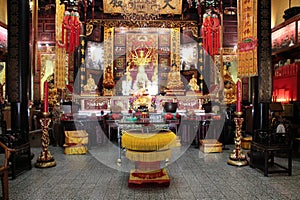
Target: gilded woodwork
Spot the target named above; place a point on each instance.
(247, 38)
(143, 7)
(108, 61)
(60, 65)
(13, 72)
(264, 51)
(175, 46)
(142, 23)
(108, 46)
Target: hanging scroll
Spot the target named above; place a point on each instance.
(60, 52)
(143, 6)
(247, 38)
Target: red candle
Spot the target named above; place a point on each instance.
(93, 10)
(238, 96)
(45, 96)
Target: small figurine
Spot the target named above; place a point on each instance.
(91, 85)
(193, 84)
(108, 81)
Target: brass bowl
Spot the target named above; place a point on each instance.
(170, 107)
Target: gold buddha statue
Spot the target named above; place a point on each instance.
(193, 84)
(90, 85)
(108, 81)
(174, 79)
(229, 87)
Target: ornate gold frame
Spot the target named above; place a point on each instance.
(109, 24)
(172, 23)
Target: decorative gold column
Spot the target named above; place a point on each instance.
(175, 46)
(238, 158)
(200, 64)
(108, 80)
(45, 159)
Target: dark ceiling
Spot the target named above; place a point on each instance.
(46, 5)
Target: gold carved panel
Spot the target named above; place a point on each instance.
(143, 6)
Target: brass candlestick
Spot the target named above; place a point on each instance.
(238, 158)
(45, 159)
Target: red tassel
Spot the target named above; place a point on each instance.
(71, 40)
(77, 37)
(209, 37)
(205, 33)
(67, 39)
(216, 33)
(63, 33)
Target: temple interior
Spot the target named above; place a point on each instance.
(148, 99)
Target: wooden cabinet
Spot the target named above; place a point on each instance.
(286, 60)
(286, 39)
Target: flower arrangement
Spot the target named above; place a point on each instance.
(153, 102)
(131, 101)
(139, 99)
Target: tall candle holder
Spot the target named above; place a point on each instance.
(238, 158)
(45, 159)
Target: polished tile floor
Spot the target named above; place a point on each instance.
(193, 176)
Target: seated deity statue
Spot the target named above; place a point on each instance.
(90, 85)
(128, 75)
(229, 87)
(127, 84)
(155, 75)
(108, 81)
(193, 84)
(153, 89)
(142, 80)
(174, 79)
(174, 72)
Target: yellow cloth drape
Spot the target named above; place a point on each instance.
(148, 156)
(148, 141)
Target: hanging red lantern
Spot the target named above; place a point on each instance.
(211, 33)
(216, 33)
(71, 28)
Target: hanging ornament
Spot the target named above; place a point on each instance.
(211, 33)
(71, 27)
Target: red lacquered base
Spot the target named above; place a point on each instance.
(158, 178)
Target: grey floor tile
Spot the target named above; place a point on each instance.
(193, 176)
